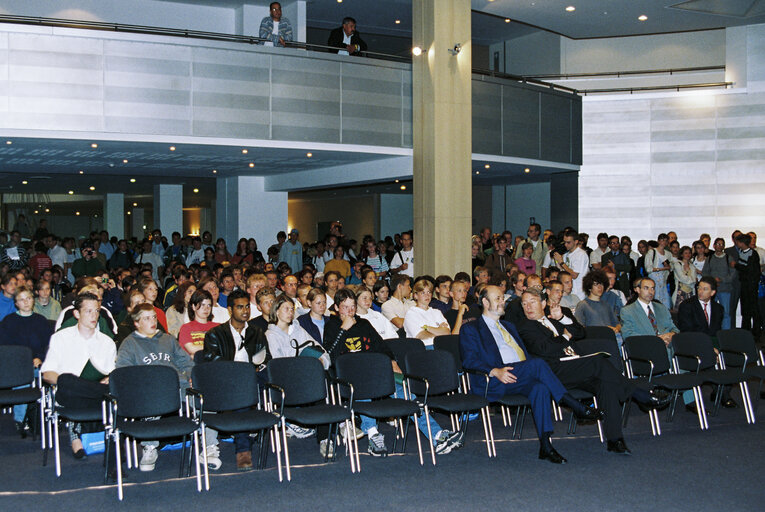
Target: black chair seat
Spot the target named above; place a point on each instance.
(513, 401)
(317, 414)
(388, 408)
(682, 381)
(79, 415)
(755, 372)
(457, 403)
(244, 421)
(19, 396)
(723, 377)
(163, 427)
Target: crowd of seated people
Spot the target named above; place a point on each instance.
(120, 301)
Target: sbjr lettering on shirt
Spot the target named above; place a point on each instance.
(153, 357)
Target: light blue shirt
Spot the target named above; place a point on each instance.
(508, 354)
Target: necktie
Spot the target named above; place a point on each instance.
(652, 320)
(706, 314)
(511, 342)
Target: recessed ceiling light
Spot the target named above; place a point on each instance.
(71, 192)
(172, 148)
(47, 210)
(196, 191)
(76, 213)
(129, 213)
(507, 20)
(398, 22)
(135, 204)
(402, 187)
(478, 172)
(416, 51)
(24, 182)
(37, 211)
(570, 8)
(252, 164)
(132, 180)
(94, 145)
(92, 187)
(339, 1)
(124, 161)
(642, 17)
(487, 166)
(309, 155)
(82, 172)
(527, 170)
(244, 151)
(215, 171)
(9, 142)
(396, 181)
(144, 226)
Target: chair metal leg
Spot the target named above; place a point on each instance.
(195, 454)
(747, 400)
(183, 456)
(56, 443)
(117, 462)
(599, 422)
(700, 410)
(286, 449)
(350, 440)
(275, 437)
(204, 455)
(430, 436)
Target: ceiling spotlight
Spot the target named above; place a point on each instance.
(402, 187)
(135, 204)
(527, 170)
(398, 22)
(196, 191)
(309, 155)
(47, 210)
(478, 172)
(507, 20)
(132, 180)
(642, 17)
(456, 50)
(487, 166)
(82, 172)
(129, 213)
(172, 148)
(215, 171)
(24, 182)
(9, 142)
(94, 145)
(570, 8)
(92, 187)
(396, 181)
(244, 151)
(339, 1)
(76, 213)
(252, 164)
(416, 51)
(124, 161)
(37, 211)
(71, 192)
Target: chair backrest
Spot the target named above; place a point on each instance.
(435, 365)
(650, 348)
(593, 345)
(16, 367)
(145, 390)
(226, 385)
(689, 345)
(737, 340)
(302, 379)
(370, 373)
(402, 346)
(600, 332)
(450, 343)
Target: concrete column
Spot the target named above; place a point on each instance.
(137, 216)
(168, 209)
(245, 209)
(442, 139)
(114, 215)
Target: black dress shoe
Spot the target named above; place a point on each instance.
(659, 399)
(730, 404)
(551, 455)
(618, 446)
(591, 414)
(79, 454)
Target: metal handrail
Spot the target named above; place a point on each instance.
(523, 79)
(630, 90)
(626, 73)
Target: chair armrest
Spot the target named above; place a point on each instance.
(281, 391)
(480, 373)
(420, 379)
(342, 382)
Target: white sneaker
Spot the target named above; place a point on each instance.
(298, 431)
(213, 458)
(359, 433)
(149, 458)
(326, 449)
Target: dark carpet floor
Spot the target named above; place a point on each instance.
(684, 469)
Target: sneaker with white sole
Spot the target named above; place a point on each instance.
(326, 449)
(377, 445)
(148, 458)
(213, 458)
(443, 444)
(456, 439)
(359, 433)
(298, 431)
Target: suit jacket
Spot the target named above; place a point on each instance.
(690, 317)
(219, 343)
(635, 322)
(336, 40)
(543, 343)
(479, 352)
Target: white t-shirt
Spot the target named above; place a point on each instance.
(274, 31)
(57, 256)
(417, 317)
(154, 259)
(394, 307)
(69, 352)
(402, 257)
(577, 261)
(596, 255)
(382, 325)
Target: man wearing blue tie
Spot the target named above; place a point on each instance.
(493, 346)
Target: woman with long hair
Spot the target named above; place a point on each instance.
(150, 290)
(191, 337)
(242, 254)
(176, 311)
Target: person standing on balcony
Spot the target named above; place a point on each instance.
(275, 29)
(346, 39)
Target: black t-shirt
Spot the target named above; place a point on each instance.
(471, 314)
(361, 337)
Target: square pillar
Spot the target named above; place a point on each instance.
(245, 209)
(168, 208)
(137, 218)
(114, 215)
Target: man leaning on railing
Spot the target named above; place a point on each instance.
(275, 29)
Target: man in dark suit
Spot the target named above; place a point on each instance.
(701, 313)
(346, 39)
(553, 338)
(494, 347)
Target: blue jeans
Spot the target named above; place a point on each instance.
(723, 299)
